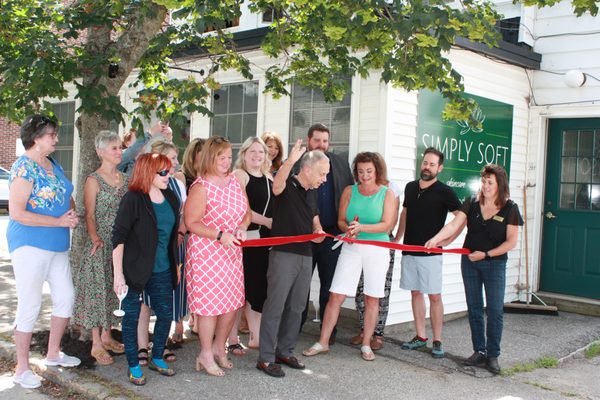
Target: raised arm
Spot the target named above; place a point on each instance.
(284, 171)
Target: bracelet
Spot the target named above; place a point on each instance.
(219, 235)
(487, 256)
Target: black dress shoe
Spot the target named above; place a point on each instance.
(290, 361)
(271, 369)
(477, 359)
(492, 365)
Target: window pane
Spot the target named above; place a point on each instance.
(582, 200)
(567, 196)
(234, 128)
(300, 124)
(251, 97)
(219, 126)
(586, 143)
(65, 113)
(220, 101)
(569, 165)
(584, 170)
(249, 126)
(569, 143)
(302, 97)
(236, 97)
(595, 197)
(596, 170)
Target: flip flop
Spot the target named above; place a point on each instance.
(315, 349)
(367, 353)
(169, 356)
(102, 357)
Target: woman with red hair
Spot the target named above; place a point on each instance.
(144, 253)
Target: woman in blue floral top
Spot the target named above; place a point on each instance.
(41, 215)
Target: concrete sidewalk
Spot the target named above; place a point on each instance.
(343, 374)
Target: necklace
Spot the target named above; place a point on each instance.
(421, 191)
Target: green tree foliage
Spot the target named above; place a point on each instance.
(47, 46)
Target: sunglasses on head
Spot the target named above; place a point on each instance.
(164, 172)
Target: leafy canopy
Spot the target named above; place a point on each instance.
(45, 45)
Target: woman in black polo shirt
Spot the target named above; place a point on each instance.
(492, 221)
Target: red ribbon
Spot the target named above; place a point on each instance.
(277, 240)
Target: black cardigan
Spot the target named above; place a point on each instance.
(135, 227)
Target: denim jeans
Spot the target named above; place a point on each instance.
(490, 274)
(160, 290)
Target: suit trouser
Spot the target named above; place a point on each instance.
(288, 278)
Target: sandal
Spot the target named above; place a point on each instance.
(102, 357)
(223, 362)
(376, 342)
(143, 357)
(315, 349)
(212, 370)
(114, 347)
(163, 371)
(236, 349)
(139, 381)
(367, 353)
(169, 356)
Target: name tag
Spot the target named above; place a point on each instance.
(498, 218)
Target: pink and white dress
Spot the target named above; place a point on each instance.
(214, 273)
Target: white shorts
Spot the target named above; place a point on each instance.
(423, 274)
(32, 267)
(355, 259)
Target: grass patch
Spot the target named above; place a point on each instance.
(545, 362)
(593, 350)
(539, 385)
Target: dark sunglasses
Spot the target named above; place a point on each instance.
(164, 172)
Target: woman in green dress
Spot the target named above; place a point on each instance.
(95, 299)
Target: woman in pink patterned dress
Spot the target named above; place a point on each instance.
(217, 216)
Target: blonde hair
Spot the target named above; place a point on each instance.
(240, 163)
(191, 161)
(161, 147)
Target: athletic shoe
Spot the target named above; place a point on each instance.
(63, 361)
(28, 380)
(415, 343)
(437, 351)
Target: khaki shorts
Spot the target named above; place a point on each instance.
(422, 273)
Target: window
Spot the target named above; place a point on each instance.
(235, 108)
(580, 170)
(309, 107)
(271, 15)
(65, 113)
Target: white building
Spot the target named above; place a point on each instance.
(549, 97)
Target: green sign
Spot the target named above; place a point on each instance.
(466, 149)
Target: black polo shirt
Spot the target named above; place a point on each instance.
(293, 213)
(426, 212)
(485, 235)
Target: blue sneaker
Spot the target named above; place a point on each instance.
(415, 343)
(437, 351)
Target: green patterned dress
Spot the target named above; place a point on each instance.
(95, 299)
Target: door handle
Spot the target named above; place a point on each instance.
(549, 215)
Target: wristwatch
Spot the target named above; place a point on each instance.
(487, 256)
(219, 235)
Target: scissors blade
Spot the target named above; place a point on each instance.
(339, 242)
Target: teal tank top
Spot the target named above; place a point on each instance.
(369, 210)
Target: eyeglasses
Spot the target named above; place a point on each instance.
(219, 140)
(164, 172)
(41, 121)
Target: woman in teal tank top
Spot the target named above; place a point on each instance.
(366, 212)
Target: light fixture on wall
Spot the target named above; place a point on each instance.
(575, 78)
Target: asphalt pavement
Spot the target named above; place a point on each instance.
(395, 373)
